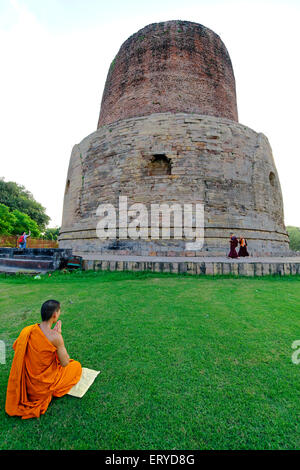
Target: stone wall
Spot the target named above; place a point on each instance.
(198, 268)
(217, 162)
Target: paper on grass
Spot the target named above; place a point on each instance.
(87, 378)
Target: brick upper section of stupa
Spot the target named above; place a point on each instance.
(173, 66)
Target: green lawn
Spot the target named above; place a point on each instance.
(187, 362)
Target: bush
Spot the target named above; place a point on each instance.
(51, 233)
(294, 234)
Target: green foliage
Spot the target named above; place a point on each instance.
(7, 220)
(51, 233)
(294, 234)
(16, 197)
(16, 222)
(25, 224)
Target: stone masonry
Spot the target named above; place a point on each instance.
(188, 149)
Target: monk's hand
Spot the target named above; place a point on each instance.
(57, 327)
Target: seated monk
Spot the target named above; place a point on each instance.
(41, 367)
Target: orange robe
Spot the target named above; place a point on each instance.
(36, 375)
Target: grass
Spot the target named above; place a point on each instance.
(187, 362)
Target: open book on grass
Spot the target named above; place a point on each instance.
(87, 378)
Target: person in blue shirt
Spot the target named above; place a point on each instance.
(23, 239)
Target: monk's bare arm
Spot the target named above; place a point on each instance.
(62, 354)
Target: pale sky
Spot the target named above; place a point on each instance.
(54, 59)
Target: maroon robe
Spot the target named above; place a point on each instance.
(233, 244)
(243, 249)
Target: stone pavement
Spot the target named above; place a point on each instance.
(176, 259)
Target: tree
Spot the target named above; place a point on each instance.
(16, 197)
(16, 222)
(294, 234)
(7, 220)
(25, 224)
(51, 233)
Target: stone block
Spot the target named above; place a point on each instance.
(88, 265)
(265, 269)
(234, 269)
(112, 265)
(98, 265)
(105, 265)
(174, 267)
(258, 269)
(287, 269)
(119, 266)
(209, 269)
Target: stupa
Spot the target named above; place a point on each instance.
(168, 133)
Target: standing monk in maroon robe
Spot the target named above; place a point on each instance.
(243, 247)
(233, 244)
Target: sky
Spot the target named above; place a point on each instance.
(55, 56)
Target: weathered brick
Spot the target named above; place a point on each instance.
(160, 57)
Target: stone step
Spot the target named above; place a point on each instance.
(45, 265)
(14, 270)
(38, 257)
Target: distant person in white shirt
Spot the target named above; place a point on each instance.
(23, 239)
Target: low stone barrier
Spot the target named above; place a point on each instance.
(46, 259)
(202, 267)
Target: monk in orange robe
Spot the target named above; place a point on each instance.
(41, 367)
(243, 247)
